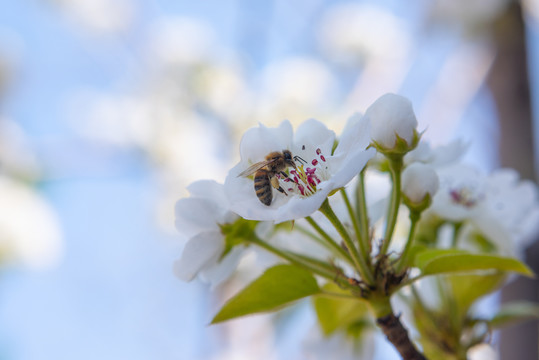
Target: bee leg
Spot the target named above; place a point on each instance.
(284, 174)
(276, 185)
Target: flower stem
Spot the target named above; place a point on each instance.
(336, 247)
(360, 263)
(299, 260)
(414, 219)
(361, 208)
(313, 236)
(395, 167)
(355, 222)
(456, 232)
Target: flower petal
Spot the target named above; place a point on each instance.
(209, 189)
(195, 215)
(315, 133)
(201, 251)
(350, 166)
(391, 115)
(223, 269)
(356, 134)
(258, 142)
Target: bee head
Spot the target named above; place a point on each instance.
(288, 158)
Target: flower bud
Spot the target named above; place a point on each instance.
(393, 124)
(419, 184)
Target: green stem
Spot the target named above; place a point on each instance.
(355, 222)
(336, 247)
(456, 232)
(395, 167)
(403, 261)
(361, 208)
(301, 261)
(360, 263)
(313, 236)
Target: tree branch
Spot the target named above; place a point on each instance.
(398, 336)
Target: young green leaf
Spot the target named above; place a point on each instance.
(339, 313)
(277, 287)
(466, 289)
(422, 258)
(514, 312)
(452, 261)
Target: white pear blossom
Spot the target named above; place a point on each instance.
(482, 352)
(439, 156)
(199, 218)
(30, 233)
(418, 181)
(320, 169)
(392, 115)
(499, 206)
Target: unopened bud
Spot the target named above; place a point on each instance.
(393, 124)
(419, 184)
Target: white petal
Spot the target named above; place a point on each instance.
(258, 142)
(350, 166)
(422, 153)
(418, 180)
(209, 189)
(482, 352)
(297, 207)
(356, 134)
(195, 215)
(448, 154)
(315, 133)
(389, 115)
(222, 270)
(440, 156)
(201, 251)
(454, 178)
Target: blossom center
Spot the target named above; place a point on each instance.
(304, 179)
(464, 196)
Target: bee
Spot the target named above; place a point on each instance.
(265, 174)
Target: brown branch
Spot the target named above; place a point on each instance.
(398, 336)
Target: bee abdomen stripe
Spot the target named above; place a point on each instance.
(265, 198)
(260, 185)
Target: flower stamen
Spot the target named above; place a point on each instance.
(464, 196)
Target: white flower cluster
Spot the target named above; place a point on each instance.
(498, 207)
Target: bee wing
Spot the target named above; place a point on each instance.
(254, 168)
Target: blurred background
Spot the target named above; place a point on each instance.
(109, 109)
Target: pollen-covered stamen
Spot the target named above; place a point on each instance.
(306, 180)
(320, 155)
(464, 196)
(303, 180)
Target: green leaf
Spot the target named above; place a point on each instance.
(424, 257)
(468, 288)
(514, 312)
(277, 287)
(339, 313)
(452, 261)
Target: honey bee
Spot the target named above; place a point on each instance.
(265, 174)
